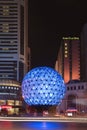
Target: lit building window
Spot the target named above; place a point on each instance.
(5, 48)
(66, 56)
(65, 44)
(5, 28)
(5, 7)
(5, 24)
(5, 10)
(65, 48)
(66, 52)
(16, 102)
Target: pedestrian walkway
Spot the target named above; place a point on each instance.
(47, 119)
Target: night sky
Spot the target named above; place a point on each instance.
(49, 20)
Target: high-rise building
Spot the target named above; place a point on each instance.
(14, 51)
(68, 62)
(84, 53)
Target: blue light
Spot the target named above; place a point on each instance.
(43, 86)
(44, 125)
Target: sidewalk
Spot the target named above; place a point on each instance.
(47, 119)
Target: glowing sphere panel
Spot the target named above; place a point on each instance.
(43, 86)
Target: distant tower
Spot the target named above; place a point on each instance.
(14, 51)
(84, 53)
(68, 62)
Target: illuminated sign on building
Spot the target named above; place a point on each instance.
(70, 38)
(5, 107)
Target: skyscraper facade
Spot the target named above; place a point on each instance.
(68, 62)
(84, 53)
(14, 51)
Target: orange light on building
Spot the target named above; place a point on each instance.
(69, 58)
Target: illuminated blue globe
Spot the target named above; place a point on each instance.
(43, 86)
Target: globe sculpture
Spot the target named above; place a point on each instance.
(43, 86)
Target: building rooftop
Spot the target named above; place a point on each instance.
(73, 81)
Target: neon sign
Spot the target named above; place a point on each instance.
(70, 38)
(6, 107)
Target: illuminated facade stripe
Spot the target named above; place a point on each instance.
(69, 58)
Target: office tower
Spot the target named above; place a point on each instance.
(68, 62)
(13, 39)
(84, 53)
